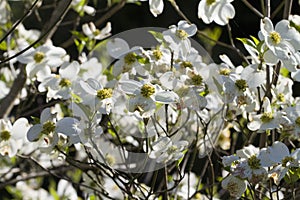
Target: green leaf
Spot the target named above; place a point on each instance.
(296, 26)
(248, 42)
(80, 45)
(36, 120)
(213, 33)
(255, 40)
(75, 98)
(181, 159)
(52, 190)
(284, 72)
(157, 35)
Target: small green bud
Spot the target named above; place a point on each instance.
(172, 149)
(186, 64)
(275, 37)
(5, 135)
(197, 80)
(104, 93)
(38, 57)
(130, 58)
(157, 54)
(281, 97)
(96, 32)
(182, 34)
(210, 2)
(147, 90)
(254, 162)
(225, 71)
(266, 117)
(65, 83)
(48, 127)
(241, 84)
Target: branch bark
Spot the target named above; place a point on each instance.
(7, 102)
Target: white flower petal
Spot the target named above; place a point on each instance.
(266, 26)
(117, 47)
(34, 132)
(190, 29)
(156, 7)
(166, 97)
(69, 71)
(20, 128)
(68, 126)
(225, 11)
(161, 143)
(130, 86)
(46, 115)
(235, 186)
(278, 151)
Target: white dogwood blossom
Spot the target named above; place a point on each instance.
(90, 30)
(219, 11)
(283, 43)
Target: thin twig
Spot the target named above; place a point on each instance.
(277, 10)
(19, 21)
(37, 41)
(59, 13)
(100, 21)
(200, 33)
(253, 9)
(287, 8)
(268, 8)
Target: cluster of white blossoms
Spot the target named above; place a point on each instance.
(252, 165)
(155, 108)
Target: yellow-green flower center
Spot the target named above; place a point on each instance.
(275, 37)
(110, 159)
(210, 2)
(266, 117)
(147, 90)
(38, 57)
(48, 127)
(5, 135)
(254, 162)
(186, 64)
(65, 83)
(287, 160)
(281, 97)
(104, 93)
(241, 84)
(157, 54)
(172, 149)
(182, 34)
(130, 58)
(297, 121)
(197, 80)
(225, 71)
(96, 32)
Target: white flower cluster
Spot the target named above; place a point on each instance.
(153, 109)
(251, 166)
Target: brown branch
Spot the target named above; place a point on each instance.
(59, 12)
(7, 102)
